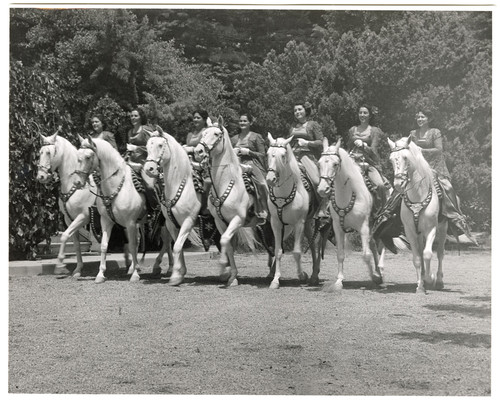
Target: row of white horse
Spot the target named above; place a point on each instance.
(229, 202)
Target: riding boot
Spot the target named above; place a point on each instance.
(450, 207)
(152, 203)
(261, 209)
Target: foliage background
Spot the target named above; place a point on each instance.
(65, 64)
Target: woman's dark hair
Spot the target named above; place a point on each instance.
(307, 106)
(427, 112)
(249, 117)
(142, 114)
(202, 113)
(372, 110)
(101, 118)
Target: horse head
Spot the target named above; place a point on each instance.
(48, 161)
(329, 165)
(158, 149)
(87, 160)
(212, 141)
(277, 158)
(399, 157)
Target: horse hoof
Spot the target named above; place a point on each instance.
(377, 279)
(175, 281)
(100, 279)
(76, 275)
(314, 281)
(439, 285)
(135, 277)
(274, 285)
(330, 287)
(303, 277)
(234, 282)
(421, 290)
(61, 270)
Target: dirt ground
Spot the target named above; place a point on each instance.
(68, 336)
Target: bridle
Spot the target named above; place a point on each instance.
(329, 179)
(272, 170)
(414, 207)
(341, 212)
(209, 148)
(48, 169)
(403, 176)
(160, 157)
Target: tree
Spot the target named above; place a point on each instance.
(35, 110)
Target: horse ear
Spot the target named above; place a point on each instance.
(325, 144)
(209, 122)
(287, 141)
(337, 145)
(159, 130)
(80, 138)
(220, 121)
(91, 143)
(407, 140)
(44, 138)
(392, 145)
(59, 128)
(270, 138)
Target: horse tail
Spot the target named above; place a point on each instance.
(244, 240)
(195, 238)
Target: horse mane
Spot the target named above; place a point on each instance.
(350, 165)
(65, 143)
(178, 153)
(231, 153)
(419, 161)
(292, 161)
(105, 150)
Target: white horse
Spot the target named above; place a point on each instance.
(289, 203)
(414, 179)
(181, 203)
(119, 201)
(58, 155)
(351, 208)
(229, 201)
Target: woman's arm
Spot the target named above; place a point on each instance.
(317, 133)
(437, 142)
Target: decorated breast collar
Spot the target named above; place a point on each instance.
(417, 207)
(281, 202)
(219, 201)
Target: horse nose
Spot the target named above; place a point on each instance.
(323, 190)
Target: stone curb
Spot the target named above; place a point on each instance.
(91, 263)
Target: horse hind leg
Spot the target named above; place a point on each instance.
(133, 240)
(166, 247)
(438, 283)
(376, 272)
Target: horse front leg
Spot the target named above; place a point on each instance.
(338, 284)
(71, 231)
(107, 226)
(279, 230)
(227, 251)
(179, 269)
